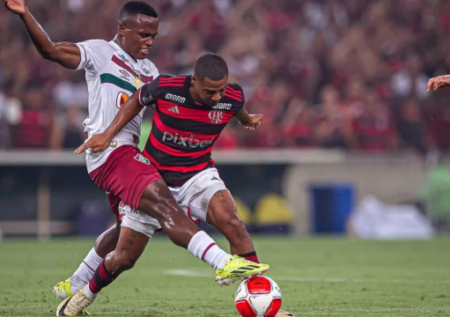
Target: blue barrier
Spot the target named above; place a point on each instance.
(331, 205)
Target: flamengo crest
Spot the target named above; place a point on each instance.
(216, 116)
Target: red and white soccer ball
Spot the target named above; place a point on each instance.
(258, 297)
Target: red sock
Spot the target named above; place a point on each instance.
(101, 278)
(250, 256)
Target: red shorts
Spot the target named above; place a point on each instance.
(124, 176)
(114, 203)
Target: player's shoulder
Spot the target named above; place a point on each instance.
(173, 77)
(174, 81)
(96, 43)
(234, 93)
(234, 86)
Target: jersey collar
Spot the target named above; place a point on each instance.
(116, 46)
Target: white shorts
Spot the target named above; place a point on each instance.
(196, 193)
(138, 221)
(193, 197)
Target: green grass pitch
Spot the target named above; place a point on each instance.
(318, 277)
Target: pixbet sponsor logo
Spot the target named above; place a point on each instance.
(188, 141)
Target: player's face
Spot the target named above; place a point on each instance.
(210, 91)
(139, 35)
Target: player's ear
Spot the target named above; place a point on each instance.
(122, 30)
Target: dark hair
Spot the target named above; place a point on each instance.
(210, 66)
(133, 8)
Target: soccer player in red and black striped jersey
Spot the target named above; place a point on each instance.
(190, 113)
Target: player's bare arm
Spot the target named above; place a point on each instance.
(439, 82)
(249, 121)
(100, 142)
(66, 54)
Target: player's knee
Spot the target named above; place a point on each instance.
(230, 221)
(126, 262)
(236, 222)
(123, 261)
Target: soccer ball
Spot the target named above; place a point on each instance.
(258, 297)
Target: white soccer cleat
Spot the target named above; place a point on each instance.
(74, 305)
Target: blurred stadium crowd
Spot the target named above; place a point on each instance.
(325, 73)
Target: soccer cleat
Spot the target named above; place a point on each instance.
(63, 289)
(282, 313)
(238, 268)
(74, 305)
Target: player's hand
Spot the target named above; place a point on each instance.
(15, 6)
(254, 122)
(439, 82)
(96, 143)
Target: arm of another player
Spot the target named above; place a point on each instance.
(142, 98)
(249, 121)
(66, 54)
(439, 82)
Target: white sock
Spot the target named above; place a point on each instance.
(85, 271)
(204, 248)
(90, 294)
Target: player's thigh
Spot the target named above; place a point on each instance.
(157, 201)
(204, 190)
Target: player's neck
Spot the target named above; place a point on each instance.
(118, 42)
(194, 95)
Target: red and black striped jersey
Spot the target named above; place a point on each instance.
(184, 131)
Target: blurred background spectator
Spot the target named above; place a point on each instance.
(325, 73)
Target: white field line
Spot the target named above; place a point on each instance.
(198, 273)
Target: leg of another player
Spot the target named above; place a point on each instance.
(107, 241)
(129, 248)
(104, 244)
(223, 215)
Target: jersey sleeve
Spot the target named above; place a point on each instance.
(148, 94)
(92, 58)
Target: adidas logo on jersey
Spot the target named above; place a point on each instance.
(175, 98)
(174, 110)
